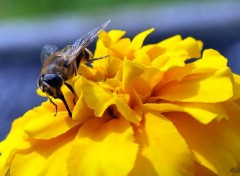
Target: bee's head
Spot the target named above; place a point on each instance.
(51, 84)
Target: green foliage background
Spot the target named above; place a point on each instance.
(38, 8)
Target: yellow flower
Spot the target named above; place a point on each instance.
(144, 110)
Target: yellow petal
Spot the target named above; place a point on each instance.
(176, 73)
(142, 58)
(210, 63)
(103, 147)
(120, 49)
(215, 145)
(162, 150)
(170, 60)
(152, 50)
(203, 88)
(16, 140)
(138, 39)
(136, 76)
(210, 59)
(137, 42)
(143, 85)
(107, 41)
(45, 157)
(192, 46)
(233, 110)
(161, 107)
(236, 86)
(95, 96)
(100, 50)
(169, 42)
(131, 71)
(133, 116)
(116, 35)
(47, 126)
(99, 99)
(203, 112)
(107, 67)
(41, 93)
(81, 111)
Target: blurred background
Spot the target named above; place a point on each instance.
(26, 25)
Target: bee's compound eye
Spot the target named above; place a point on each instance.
(53, 80)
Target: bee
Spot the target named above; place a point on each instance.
(61, 65)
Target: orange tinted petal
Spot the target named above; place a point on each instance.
(202, 171)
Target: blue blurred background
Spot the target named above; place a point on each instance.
(26, 25)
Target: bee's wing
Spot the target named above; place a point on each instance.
(79, 45)
(47, 50)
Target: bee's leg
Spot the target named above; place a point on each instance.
(89, 63)
(90, 59)
(54, 105)
(61, 97)
(87, 55)
(8, 172)
(93, 59)
(71, 89)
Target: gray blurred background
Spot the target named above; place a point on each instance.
(26, 25)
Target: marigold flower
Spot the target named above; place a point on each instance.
(144, 110)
